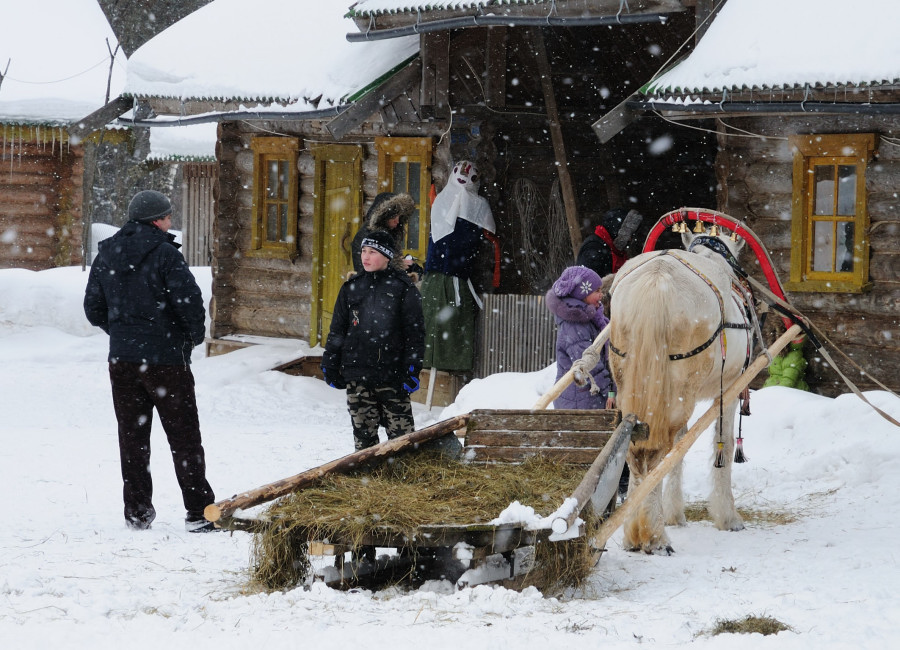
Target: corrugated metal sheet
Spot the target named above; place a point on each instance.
(197, 206)
(516, 333)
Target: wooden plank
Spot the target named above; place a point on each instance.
(321, 548)
(578, 439)
(555, 420)
(519, 454)
(363, 108)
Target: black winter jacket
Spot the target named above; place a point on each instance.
(141, 292)
(377, 330)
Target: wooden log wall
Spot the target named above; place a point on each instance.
(755, 183)
(40, 199)
(259, 296)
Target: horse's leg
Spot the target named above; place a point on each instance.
(721, 501)
(644, 529)
(673, 493)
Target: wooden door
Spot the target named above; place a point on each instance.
(338, 202)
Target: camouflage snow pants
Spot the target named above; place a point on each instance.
(371, 407)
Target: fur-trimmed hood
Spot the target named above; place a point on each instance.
(387, 205)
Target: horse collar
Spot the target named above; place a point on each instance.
(717, 246)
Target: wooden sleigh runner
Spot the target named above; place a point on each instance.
(593, 443)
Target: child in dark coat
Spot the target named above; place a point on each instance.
(574, 299)
(376, 343)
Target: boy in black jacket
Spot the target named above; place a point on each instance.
(376, 344)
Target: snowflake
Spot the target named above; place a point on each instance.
(586, 288)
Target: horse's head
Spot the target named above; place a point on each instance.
(734, 246)
(710, 245)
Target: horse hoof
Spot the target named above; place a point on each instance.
(660, 550)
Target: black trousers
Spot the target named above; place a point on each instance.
(136, 390)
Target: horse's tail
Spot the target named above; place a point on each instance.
(642, 326)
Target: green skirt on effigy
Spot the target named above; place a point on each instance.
(449, 322)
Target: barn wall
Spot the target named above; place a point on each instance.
(40, 199)
(755, 183)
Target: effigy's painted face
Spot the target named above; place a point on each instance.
(466, 175)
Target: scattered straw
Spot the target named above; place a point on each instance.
(410, 491)
(699, 511)
(750, 624)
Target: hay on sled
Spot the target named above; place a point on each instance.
(419, 490)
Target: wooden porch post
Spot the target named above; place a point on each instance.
(559, 145)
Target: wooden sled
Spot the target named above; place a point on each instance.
(475, 553)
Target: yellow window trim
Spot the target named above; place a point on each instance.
(266, 149)
(810, 150)
(418, 150)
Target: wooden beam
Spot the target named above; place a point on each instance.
(99, 118)
(495, 65)
(559, 145)
(615, 120)
(226, 507)
(434, 89)
(372, 102)
(609, 463)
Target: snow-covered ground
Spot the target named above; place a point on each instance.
(73, 576)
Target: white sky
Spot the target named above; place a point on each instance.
(73, 576)
(58, 60)
(194, 141)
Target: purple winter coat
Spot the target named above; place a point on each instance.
(578, 324)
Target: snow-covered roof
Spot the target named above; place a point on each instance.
(195, 142)
(367, 7)
(762, 44)
(55, 61)
(263, 52)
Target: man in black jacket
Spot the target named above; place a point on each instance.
(141, 292)
(376, 343)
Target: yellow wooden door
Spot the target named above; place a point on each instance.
(338, 203)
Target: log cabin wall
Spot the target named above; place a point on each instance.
(755, 183)
(272, 297)
(40, 199)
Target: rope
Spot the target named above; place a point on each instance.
(813, 333)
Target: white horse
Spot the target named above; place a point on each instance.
(679, 333)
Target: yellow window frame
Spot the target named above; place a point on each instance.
(396, 158)
(814, 152)
(274, 231)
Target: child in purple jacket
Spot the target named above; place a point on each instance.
(574, 299)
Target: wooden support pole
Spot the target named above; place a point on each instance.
(227, 507)
(655, 477)
(560, 385)
(616, 444)
(556, 135)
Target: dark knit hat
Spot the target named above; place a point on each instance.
(381, 241)
(577, 282)
(148, 206)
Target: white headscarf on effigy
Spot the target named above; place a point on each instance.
(460, 200)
